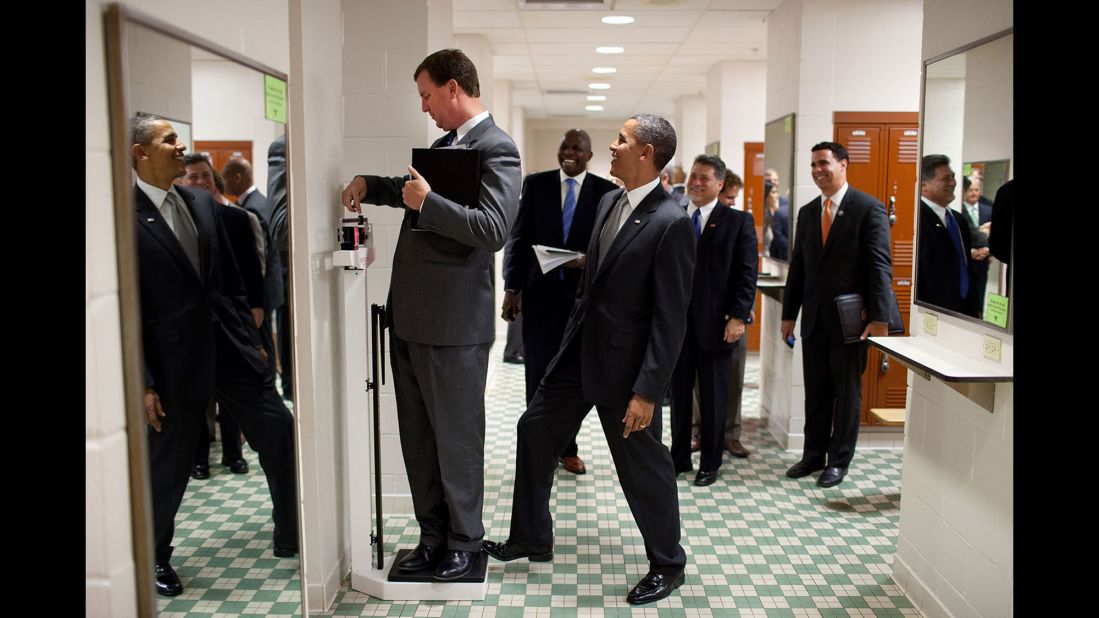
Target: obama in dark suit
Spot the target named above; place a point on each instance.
(617, 354)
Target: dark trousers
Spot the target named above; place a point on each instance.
(643, 463)
(230, 440)
(542, 334)
(513, 348)
(712, 371)
(251, 399)
(286, 350)
(833, 396)
(736, 392)
(440, 392)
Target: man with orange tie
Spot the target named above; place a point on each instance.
(841, 246)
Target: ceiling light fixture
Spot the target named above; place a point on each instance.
(617, 19)
(599, 86)
(596, 97)
(594, 108)
(604, 70)
(609, 50)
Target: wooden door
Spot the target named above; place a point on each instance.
(220, 151)
(883, 150)
(753, 188)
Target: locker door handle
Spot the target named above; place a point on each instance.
(884, 364)
(892, 210)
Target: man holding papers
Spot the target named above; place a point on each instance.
(440, 315)
(557, 211)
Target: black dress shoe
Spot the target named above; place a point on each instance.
(508, 551)
(286, 552)
(238, 467)
(653, 587)
(423, 558)
(704, 478)
(455, 564)
(200, 471)
(167, 582)
(802, 468)
(831, 476)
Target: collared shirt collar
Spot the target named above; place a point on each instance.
(706, 210)
(157, 195)
(639, 193)
(247, 192)
(579, 178)
(940, 211)
(837, 199)
(468, 125)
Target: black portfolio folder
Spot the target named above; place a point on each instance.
(853, 319)
(454, 173)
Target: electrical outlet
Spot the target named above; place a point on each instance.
(990, 347)
(931, 324)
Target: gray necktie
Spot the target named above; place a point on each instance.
(184, 229)
(612, 225)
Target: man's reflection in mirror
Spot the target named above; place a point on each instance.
(945, 276)
(777, 235)
(729, 193)
(978, 212)
(199, 342)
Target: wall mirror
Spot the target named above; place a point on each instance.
(968, 115)
(225, 552)
(778, 215)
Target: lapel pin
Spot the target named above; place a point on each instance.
(150, 219)
(636, 221)
(712, 225)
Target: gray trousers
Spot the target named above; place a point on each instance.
(440, 392)
(736, 387)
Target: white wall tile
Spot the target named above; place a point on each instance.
(97, 129)
(95, 519)
(124, 590)
(99, 227)
(97, 599)
(364, 71)
(385, 23)
(398, 153)
(988, 589)
(362, 156)
(106, 348)
(116, 537)
(392, 459)
(362, 110)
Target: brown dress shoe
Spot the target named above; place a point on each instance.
(736, 449)
(696, 440)
(574, 465)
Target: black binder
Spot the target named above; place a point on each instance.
(853, 319)
(454, 173)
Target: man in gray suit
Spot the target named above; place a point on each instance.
(620, 345)
(440, 315)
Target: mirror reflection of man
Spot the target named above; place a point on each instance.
(557, 209)
(440, 315)
(978, 212)
(722, 296)
(199, 341)
(841, 247)
(944, 269)
(617, 354)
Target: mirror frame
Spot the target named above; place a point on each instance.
(117, 21)
(928, 307)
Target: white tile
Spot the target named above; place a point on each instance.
(400, 66)
(106, 350)
(97, 599)
(91, 404)
(123, 591)
(949, 554)
(376, 115)
(117, 537)
(99, 229)
(95, 518)
(398, 154)
(392, 459)
(385, 23)
(96, 121)
(988, 589)
(364, 71)
(959, 447)
(389, 414)
(954, 604)
(378, 290)
(400, 485)
(362, 156)
(265, 30)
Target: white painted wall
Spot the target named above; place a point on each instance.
(544, 137)
(229, 105)
(689, 122)
(736, 108)
(955, 551)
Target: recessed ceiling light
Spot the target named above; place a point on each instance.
(604, 70)
(594, 108)
(599, 86)
(617, 19)
(596, 97)
(609, 50)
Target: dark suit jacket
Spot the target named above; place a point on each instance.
(273, 293)
(937, 270)
(856, 258)
(180, 308)
(725, 276)
(442, 289)
(242, 246)
(999, 239)
(539, 223)
(780, 233)
(277, 199)
(632, 302)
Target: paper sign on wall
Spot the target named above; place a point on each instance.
(274, 96)
(996, 310)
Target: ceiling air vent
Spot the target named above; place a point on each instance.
(571, 5)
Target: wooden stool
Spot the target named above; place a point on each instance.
(890, 417)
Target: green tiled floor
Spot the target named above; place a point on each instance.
(757, 543)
